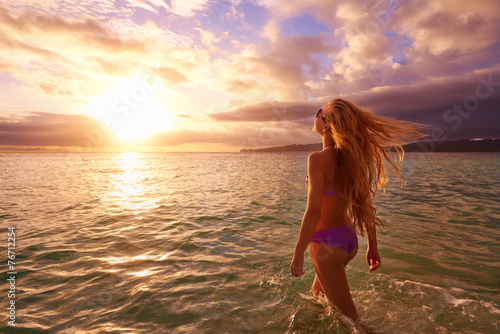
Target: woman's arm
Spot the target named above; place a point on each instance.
(370, 227)
(372, 255)
(309, 223)
(372, 235)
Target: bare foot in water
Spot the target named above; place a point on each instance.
(365, 329)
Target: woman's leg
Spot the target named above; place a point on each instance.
(328, 262)
(316, 287)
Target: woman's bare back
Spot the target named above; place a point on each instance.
(333, 210)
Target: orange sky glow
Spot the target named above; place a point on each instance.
(221, 76)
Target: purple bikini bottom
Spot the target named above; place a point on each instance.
(342, 236)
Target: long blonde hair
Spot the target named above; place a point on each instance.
(361, 138)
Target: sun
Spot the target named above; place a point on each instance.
(131, 110)
(143, 122)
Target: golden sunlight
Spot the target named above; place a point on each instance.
(127, 191)
(132, 110)
(151, 118)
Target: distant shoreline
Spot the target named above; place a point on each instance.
(458, 146)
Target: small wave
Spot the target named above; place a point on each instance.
(455, 301)
(490, 307)
(448, 297)
(58, 255)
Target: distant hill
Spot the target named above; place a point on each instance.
(464, 145)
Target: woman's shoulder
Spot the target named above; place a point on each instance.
(325, 154)
(320, 159)
(326, 158)
(316, 157)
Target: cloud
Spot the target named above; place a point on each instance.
(239, 136)
(432, 102)
(382, 44)
(463, 106)
(30, 21)
(150, 5)
(56, 32)
(50, 129)
(187, 8)
(63, 57)
(442, 26)
(279, 71)
(272, 31)
(266, 112)
(171, 75)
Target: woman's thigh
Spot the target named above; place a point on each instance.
(321, 253)
(351, 256)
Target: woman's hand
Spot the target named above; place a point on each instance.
(373, 258)
(297, 266)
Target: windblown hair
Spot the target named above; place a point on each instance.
(362, 139)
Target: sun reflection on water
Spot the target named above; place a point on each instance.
(129, 187)
(126, 259)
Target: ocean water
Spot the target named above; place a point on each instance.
(202, 243)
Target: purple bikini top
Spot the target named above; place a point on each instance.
(326, 193)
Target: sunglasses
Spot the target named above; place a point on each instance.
(317, 114)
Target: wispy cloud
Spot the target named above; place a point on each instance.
(48, 129)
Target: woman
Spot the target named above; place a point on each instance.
(341, 180)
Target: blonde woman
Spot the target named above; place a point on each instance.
(342, 179)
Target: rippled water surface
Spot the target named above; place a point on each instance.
(202, 243)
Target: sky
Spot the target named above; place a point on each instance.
(221, 76)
